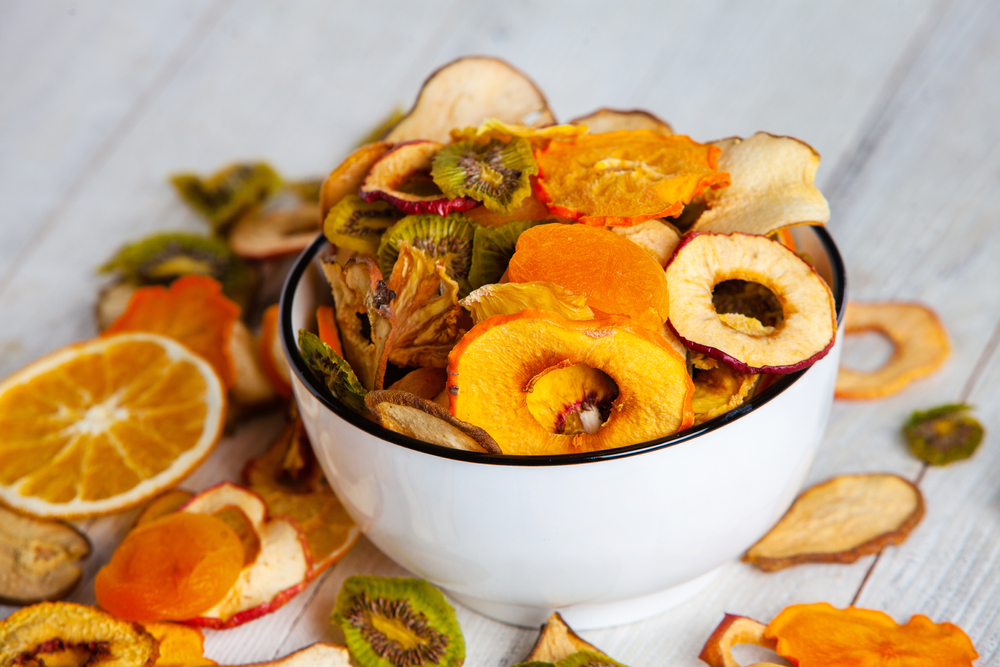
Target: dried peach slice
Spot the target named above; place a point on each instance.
(557, 641)
(625, 177)
(841, 520)
(920, 341)
(402, 177)
(420, 418)
(704, 260)
(510, 298)
(772, 187)
(732, 631)
(607, 120)
(718, 390)
(487, 383)
(349, 175)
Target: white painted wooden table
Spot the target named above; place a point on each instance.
(99, 101)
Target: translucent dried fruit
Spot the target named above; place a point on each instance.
(944, 434)
(227, 193)
(446, 239)
(358, 225)
(390, 622)
(626, 177)
(841, 520)
(493, 365)
(496, 174)
(920, 347)
(172, 568)
(347, 178)
(538, 137)
(510, 298)
(557, 641)
(465, 93)
(424, 382)
(817, 635)
(38, 558)
(606, 120)
(656, 237)
(719, 390)
(732, 631)
(402, 177)
(89, 634)
(333, 371)
(276, 232)
(179, 645)
(702, 261)
(492, 248)
(421, 418)
(772, 187)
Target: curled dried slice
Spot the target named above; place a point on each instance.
(532, 208)
(718, 390)
(732, 631)
(180, 645)
(229, 192)
(841, 520)
(420, 418)
(445, 239)
(402, 177)
(920, 342)
(425, 382)
(276, 232)
(89, 634)
(326, 327)
(272, 357)
(657, 237)
(252, 386)
(320, 654)
(557, 641)
(772, 187)
(496, 173)
(349, 175)
(38, 558)
(510, 298)
(942, 435)
(607, 120)
(625, 177)
(538, 137)
(332, 370)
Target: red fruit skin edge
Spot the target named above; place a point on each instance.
(441, 206)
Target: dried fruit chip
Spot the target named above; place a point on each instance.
(510, 298)
(492, 248)
(557, 641)
(103, 425)
(333, 371)
(327, 329)
(89, 634)
(274, 233)
(252, 386)
(38, 558)
(180, 645)
(358, 225)
(496, 173)
(402, 177)
(272, 357)
(818, 635)
(229, 192)
(920, 341)
(447, 239)
(193, 311)
(605, 120)
(538, 137)
(719, 390)
(841, 520)
(626, 177)
(942, 435)
(347, 178)
(657, 237)
(320, 654)
(421, 418)
(732, 631)
(772, 187)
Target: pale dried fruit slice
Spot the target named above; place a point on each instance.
(719, 390)
(607, 120)
(112, 301)
(841, 520)
(277, 232)
(423, 419)
(704, 260)
(402, 177)
(920, 342)
(89, 635)
(320, 654)
(38, 558)
(657, 237)
(510, 298)
(279, 571)
(425, 382)
(734, 630)
(944, 434)
(347, 178)
(465, 93)
(557, 641)
(772, 187)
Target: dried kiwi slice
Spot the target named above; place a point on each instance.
(227, 193)
(943, 434)
(390, 622)
(496, 173)
(446, 238)
(358, 225)
(331, 369)
(492, 248)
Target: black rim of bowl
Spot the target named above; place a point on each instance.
(323, 395)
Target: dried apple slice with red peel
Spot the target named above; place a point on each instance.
(402, 178)
(607, 120)
(703, 260)
(419, 418)
(347, 178)
(278, 573)
(734, 630)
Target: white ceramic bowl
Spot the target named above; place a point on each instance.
(604, 538)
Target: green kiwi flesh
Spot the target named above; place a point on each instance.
(333, 371)
(492, 248)
(358, 225)
(495, 173)
(448, 239)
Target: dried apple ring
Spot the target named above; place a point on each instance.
(732, 631)
(704, 260)
(920, 341)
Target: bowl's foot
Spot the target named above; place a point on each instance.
(592, 616)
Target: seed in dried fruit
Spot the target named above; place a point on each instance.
(391, 622)
(358, 225)
(732, 631)
(402, 177)
(557, 641)
(510, 298)
(420, 418)
(333, 371)
(496, 173)
(606, 120)
(227, 193)
(38, 558)
(347, 178)
(492, 248)
(942, 435)
(448, 239)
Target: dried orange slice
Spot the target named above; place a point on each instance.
(626, 177)
(102, 425)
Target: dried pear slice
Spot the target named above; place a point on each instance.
(347, 178)
(492, 248)
(427, 382)
(229, 192)
(719, 390)
(840, 520)
(333, 371)
(607, 120)
(943, 434)
(390, 622)
(920, 341)
(465, 93)
(447, 239)
(358, 289)
(732, 631)
(657, 237)
(772, 187)
(402, 177)
(538, 137)
(358, 225)
(92, 635)
(277, 232)
(419, 418)
(557, 641)
(320, 654)
(510, 298)
(38, 558)
(496, 174)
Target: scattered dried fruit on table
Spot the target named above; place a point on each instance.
(421, 418)
(358, 225)
(557, 641)
(272, 356)
(347, 178)
(402, 177)
(606, 120)
(920, 347)
(944, 434)
(625, 177)
(492, 370)
(732, 631)
(719, 390)
(465, 93)
(772, 187)
(496, 174)
(172, 568)
(179, 645)
(38, 558)
(333, 371)
(390, 622)
(229, 192)
(63, 632)
(448, 239)
(841, 520)
(808, 327)
(275, 232)
(588, 659)
(657, 237)
(510, 298)
(424, 382)
(492, 248)
(252, 387)
(102, 425)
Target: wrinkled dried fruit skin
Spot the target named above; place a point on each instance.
(944, 434)
(732, 631)
(402, 177)
(425, 420)
(333, 371)
(496, 174)
(349, 175)
(607, 120)
(227, 193)
(557, 641)
(38, 558)
(510, 298)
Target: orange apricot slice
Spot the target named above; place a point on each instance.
(625, 177)
(327, 328)
(180, 645)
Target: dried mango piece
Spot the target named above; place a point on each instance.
(920, 341)
(557, 641)
(772, 187)
(626, 177)
(180, 645)
(732, 631)
(819, 635)
(538, 137)
(841, 520)
(942, 435)
(229, 192)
